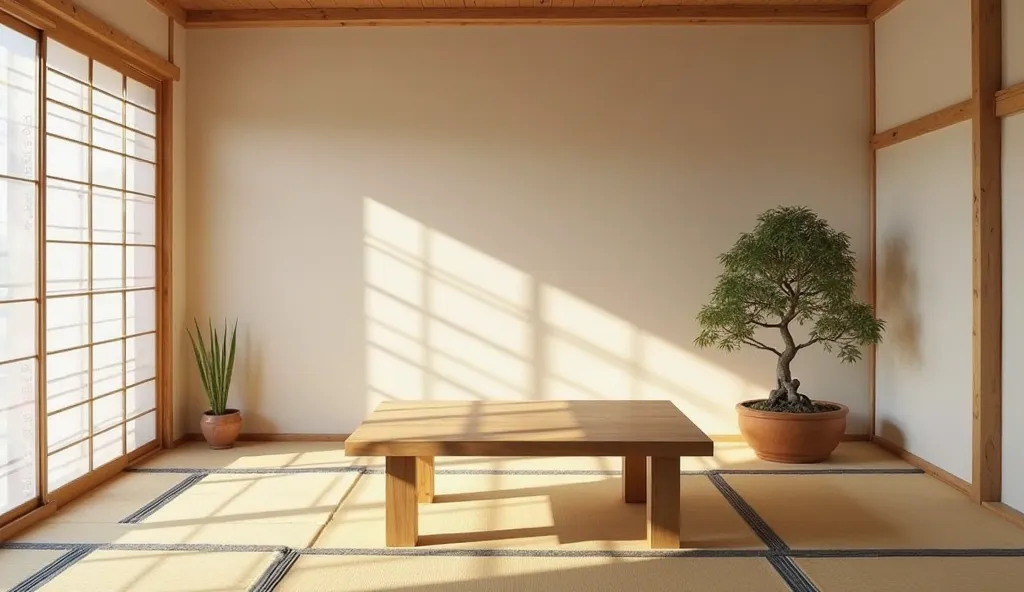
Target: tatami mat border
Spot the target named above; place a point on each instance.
(780, 559)
(52, 570)
(466, 552)
(582, 472)
(276, 571)
(752, 518)
(791, 573)
(163, 499)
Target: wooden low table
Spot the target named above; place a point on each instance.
(650, 436)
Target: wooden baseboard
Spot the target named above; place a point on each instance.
(731, 438)
(19, 525)
(940, 474)
(275, 438)
(1006, 512)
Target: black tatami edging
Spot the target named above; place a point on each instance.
(790, 572)
(768, 536)
(276, 572)
(582, 472)
(787, 569)
(163, 499)
(44, 575)
(503, 552)
(247, 471)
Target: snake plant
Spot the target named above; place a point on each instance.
(215, 364)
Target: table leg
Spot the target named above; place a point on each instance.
(425, 479)
(634, 479)
(400, 501)
(663, 502)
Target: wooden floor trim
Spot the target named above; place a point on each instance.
(731, 438)
(77, 488)
(599, 15)
(932, 122)
(927, 467)
(1006, 512)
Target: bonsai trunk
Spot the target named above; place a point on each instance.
(784, 376)
(786, 386)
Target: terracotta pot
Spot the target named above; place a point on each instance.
(792, 437)
(221, 431)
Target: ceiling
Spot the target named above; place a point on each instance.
(272, 4)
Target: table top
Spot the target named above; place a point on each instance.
(528, 428)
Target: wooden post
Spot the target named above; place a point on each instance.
(872, 227)
(987, 71)
(400, 501)
(425, 479)
(634, 479)
(663, 502)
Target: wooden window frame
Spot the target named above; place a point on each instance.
(46, 502)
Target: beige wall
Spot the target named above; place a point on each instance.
(922, 59)
(1013, 265)
(1013, 311)
(923, 374)
(138, 19)
(506, 213)
(1013, 42)
(924, 187)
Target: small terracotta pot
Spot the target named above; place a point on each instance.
(221, 431)
(792, 437)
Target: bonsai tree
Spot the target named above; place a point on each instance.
(793, 268)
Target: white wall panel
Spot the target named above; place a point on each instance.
(924, 367)
(922, 59)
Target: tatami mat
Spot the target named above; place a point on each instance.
(161, 571)
(18, 564)
(537, 511)
(917, 574)
(506, 574)
(295, 535)
(873, 511)
(257, 499)
(117, 499)
(221, 509)
(511, 524)
(255, 455)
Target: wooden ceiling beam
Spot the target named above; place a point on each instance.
(693, 14)
(172, 9)
(879, 8)
(66, 14)
(26, 14)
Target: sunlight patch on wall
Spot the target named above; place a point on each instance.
(446, 321)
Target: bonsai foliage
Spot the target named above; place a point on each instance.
(793, 267)
(216, 364)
